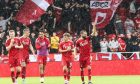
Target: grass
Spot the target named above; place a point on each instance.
(77, 80)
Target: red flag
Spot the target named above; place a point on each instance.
(103, 11)
(32, 10)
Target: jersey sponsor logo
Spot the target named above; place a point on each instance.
(84, 43)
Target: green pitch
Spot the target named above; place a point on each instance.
(77, 80)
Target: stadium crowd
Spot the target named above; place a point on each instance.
(73, 16)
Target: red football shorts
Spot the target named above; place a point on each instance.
(42, 60)
(14, 62)
(25, 59)
(67, 62)
(85, 62)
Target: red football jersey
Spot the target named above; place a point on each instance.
(64, 46)
(84, 47)
(26, 44)
(13, 52)
(122, 47)
(42, 46)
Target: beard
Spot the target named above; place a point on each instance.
(84, 37)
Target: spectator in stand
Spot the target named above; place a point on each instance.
(122, 43)
(54, 43)
(129, 25)
(135, 45)
(137, 21)
(113, 44)
(3, 22)
(18, 32)
(2, 32)
(66, 15)
(1, 46)
(50, 21)
(96, 42)
(138, 42)
(104, 45)
(128, 42)
(33, 39)
(119, 25)
(34, 30)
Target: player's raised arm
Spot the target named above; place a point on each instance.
(93, 29)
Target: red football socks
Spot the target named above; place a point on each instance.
(68, 75)
(82, 75)
(13, 76)
(65, 74)
(41, 75)
(23, 72)
(17, 74)
(89, 74)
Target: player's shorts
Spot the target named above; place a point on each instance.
(42, 60)
(67, 63)
(85, 62)
(25, 59)
(14, 62)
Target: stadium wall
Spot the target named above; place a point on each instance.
(99, 68)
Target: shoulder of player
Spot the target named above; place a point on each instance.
(70, 41)
(37, 39)
(47, 38)
(79, 40)
(17, 38)
(7, 40)
(61, 42)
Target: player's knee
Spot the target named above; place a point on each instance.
(18, 69)
(89, 67)
(41, 66)
(23, 64)
(12, 69)
(65, 68)
(82, 69)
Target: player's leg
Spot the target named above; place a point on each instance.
(44, 63)
(82, 66)
(42, 66)
(12, 74)
(69, 71)
(88, 63)
(18, 69)
(65, 69)
(82, 75)
(89, 74)
(23, 72)
(41, 69)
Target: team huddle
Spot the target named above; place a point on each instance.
(18, 48)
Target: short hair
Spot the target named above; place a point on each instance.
(11, 30)
(41, 30)
(82, 31)
(67, 34)
(26, 29)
